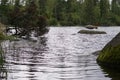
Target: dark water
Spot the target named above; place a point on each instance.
(62, 54)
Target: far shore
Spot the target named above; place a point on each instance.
(82, 26)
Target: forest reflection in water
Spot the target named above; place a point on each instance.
(62, 54)
(3, 71)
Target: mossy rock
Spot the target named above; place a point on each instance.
(91, 32)
(110, 55)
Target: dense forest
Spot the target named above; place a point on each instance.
(31, 13)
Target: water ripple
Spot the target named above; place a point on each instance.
(62, 54)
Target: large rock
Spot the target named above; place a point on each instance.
(91, 32)
(110, 55)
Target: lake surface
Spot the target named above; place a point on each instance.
(62, 54)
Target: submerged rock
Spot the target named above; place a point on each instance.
(110, 54)
(91, 32)
(33, 39)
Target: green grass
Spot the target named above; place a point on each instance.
(5, 37)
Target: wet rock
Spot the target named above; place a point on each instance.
(96, 53)
(33, 39)
(91, 32)
(110, 54)
(91, 27)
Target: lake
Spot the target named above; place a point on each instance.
(62, 54)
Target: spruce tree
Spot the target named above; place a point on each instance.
(32, 20)
(42, 6)
(14, 16)
(115, 7)
(59, 11)
(4, 10)
(115, 12)
(73, 12)
(104, 11)
(88, 12)
(30, 17)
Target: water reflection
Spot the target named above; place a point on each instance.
(111, 73)
(3, 71)
(25, 56)
(59, 55)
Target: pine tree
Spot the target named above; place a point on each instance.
(50, 5)
(42, 6)
(88, 14)
(73, 12)
(96, 2)
(32, 21)
(59, 9)
(14, 16)
(104, 11)
(4, 9)
(115, 7)
(30, 16)
(115, 12)
(4, 2)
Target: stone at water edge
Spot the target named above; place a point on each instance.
(110, 54)
(91, 32)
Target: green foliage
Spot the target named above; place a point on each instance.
(4, 10)
(5, 37)
(42, 6)
(53, 22)
(104, 8)
(41, 25)
(104, 11)
(89, 12)
(73, 12)
(110, 55)
(115, 7)
(60, 12)
(2, 37)
(114, 19)
(15, 15)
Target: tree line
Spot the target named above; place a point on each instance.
(33, 14)
(24, 16)
(84, 12)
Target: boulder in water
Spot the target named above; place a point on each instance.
(110, 54)
(91, 32)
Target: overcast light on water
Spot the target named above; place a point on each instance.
(62, 54)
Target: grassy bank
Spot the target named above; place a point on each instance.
(5, 37)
